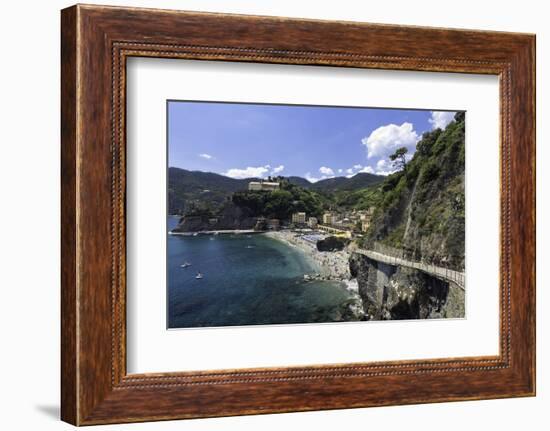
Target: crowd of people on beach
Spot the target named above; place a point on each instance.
(332, 265)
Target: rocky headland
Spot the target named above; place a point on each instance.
(231, 217)
(396, 292)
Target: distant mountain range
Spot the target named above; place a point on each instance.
(357, 182)
(184, 185)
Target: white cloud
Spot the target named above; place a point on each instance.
(384, 167)
(311, 178)
(254, 171)
(259, 171)
(440, 119)
(350, 172)
(381, 164)
(386, 173)
(205, 156)
(277, 170)
(326, 171)
(368, 170)
(386, 139)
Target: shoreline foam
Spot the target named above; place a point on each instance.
(332, 265)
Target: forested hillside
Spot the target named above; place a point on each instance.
(207, 191)
(282, 203)
(421, 209)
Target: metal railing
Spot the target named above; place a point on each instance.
(394, 256)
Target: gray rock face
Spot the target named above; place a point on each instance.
(393, 292)
(231, 217)
(423, 208)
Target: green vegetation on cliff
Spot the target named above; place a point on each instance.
(421, 209)
(359, 181)
(281, 203)
(196, 191)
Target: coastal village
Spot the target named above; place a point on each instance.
(342, 224)
(331, 242)
(396, 242)
(335, 223)
(339, 224)
(308, 233)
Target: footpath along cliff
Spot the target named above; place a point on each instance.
(420, 211)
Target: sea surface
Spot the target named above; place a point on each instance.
(247, 280)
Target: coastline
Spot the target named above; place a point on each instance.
(215, 232)
(324, 268)
(332, 265)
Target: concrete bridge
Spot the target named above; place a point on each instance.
(446, 274)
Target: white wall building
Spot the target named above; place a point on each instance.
(299, 218)
(265, 186)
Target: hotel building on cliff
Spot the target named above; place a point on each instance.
(265, 186)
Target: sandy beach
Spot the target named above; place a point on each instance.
(332, 265)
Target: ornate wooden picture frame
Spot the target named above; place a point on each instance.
(96, 41)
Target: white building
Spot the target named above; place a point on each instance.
(265, 186)
(299, 218)
(328, 218)
(366, 218)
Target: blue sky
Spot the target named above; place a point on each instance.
(257, 140)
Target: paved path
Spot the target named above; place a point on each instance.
(444, 273)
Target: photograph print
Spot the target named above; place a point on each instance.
(298, 214)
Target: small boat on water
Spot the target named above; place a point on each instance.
(195, 234)
(185, 264)
(249, 246)
(198, 276)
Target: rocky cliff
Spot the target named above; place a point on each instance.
(421, 209)
(229, 218)
(392, 293)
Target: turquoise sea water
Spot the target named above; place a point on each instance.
(247, 280)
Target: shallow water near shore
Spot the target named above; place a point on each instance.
(247, 280)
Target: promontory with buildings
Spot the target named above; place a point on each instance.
(398, 239)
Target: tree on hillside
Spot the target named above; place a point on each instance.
(399, 158)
